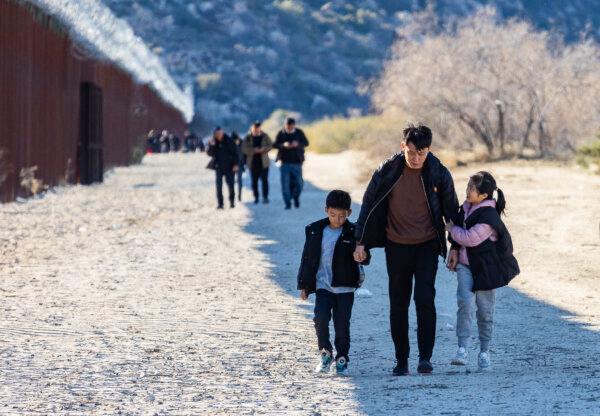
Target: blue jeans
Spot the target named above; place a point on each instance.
(341, 306)
(291, 182)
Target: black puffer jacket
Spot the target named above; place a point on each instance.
(441, 199)
(492, 262)
(345, 269)
(225, 154)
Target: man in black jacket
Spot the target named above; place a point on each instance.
(226, 162)
(403, 210)
(291, 142)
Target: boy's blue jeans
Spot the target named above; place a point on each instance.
(291, 182)
(341, 306)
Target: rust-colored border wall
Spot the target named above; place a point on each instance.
(41, 71)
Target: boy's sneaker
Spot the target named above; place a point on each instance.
(401, 369)
(484, 361)
(461, 357)
(424, 367)
(341, 366)
(325, 362)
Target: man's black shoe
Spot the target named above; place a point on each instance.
(424, 367)
(297, 203)
(220, 207)
(401, 369)
(265, 200)
(255, 201)
(288, 207)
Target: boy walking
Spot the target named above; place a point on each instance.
(329, 270)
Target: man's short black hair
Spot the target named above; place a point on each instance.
(419, 135)
(338, 200)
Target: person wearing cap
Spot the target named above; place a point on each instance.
(290, 143)
(256, 147)
(225, 162)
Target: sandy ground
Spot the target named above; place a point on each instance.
(137, 297)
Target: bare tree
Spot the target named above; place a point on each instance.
(505, 86)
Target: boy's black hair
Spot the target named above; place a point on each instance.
(486, 184)
(419, 135)
(338, 199)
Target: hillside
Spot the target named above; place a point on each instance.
(246, 58)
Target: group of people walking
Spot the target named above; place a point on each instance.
(169, 142)
(232, 155)
(410, 208)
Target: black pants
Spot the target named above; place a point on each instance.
(403, 263)
(262, 174)
(240, 182)
(341, 306)
(229, 179)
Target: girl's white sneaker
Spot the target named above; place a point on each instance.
(484, 361)
(461, 357)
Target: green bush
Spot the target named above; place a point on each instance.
(589, 156)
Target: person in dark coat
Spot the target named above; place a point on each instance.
(290, 143)
(256, 147)
(403, 210)
(175, 142)
(240, 173)
(152, 142)
(189, 142)
(225, 161)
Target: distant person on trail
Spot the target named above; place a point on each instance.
(328, 269)
(175, 142)
(225, 162)
(152, 142)
(290, 143)
(240, 173)
(256, 147)
(403, 210)
(485, 263)
(190, 142)
(164, 141)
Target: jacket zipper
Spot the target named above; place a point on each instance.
(362, 236)
(437, 236)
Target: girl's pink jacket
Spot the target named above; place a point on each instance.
(475, 235)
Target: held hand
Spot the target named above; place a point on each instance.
(286, 145)
(360, 254)
(258, 150)
(452, 260)
(303, 294)
(449, 225)
(295, 143)
(236, 168)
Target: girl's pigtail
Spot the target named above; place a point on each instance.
(500, 202)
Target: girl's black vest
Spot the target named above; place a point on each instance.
(492, 262)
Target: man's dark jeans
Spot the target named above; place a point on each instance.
(229, 179)
(263, 175)
(341, 306)
(403, 263)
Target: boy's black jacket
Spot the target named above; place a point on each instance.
(439, 190)
(492, 262)
(345, 269)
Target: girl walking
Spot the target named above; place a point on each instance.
(485, 263)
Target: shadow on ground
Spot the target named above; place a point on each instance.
(544, 362)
